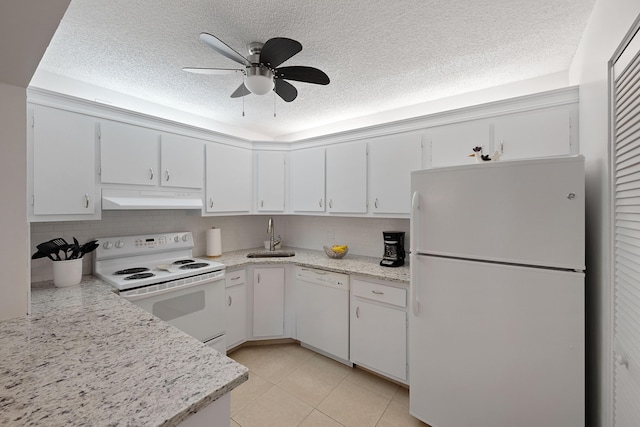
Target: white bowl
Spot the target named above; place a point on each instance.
(337, 255)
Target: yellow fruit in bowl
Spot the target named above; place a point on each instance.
(339, 248)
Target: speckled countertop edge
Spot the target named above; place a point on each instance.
(87, 357)
(350, 264)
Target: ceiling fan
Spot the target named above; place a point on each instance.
(261, 67)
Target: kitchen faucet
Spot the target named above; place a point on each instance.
(272, 242)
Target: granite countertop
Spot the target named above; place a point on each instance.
(87, 357)
(350, 264)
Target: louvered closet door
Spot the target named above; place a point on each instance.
(626, 183)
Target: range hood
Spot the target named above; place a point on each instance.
(113, 199)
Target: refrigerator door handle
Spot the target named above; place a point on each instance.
(413, 237)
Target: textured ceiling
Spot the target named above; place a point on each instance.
(380, 55)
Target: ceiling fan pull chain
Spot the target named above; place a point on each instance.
(274, 102)
(243, 98)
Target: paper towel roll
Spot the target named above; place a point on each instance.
(214, 242)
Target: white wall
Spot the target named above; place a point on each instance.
(14, 262)
(363, 235)
(610, 21)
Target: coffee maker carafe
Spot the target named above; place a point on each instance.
(393, 249)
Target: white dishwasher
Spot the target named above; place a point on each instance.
(322, 312)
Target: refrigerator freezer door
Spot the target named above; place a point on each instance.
(524, 212)
(496, 346)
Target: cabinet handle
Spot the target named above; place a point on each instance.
(358, 312)
(377, 292)
(502, 147)
(622, 361)
(331, 203)
(210, 202)
(375, 203)
(235, 278)
(168, 175)
(86, 201)
(320, 203)
(262, 203)
(258, 277)
(150, 173)
(230, 300)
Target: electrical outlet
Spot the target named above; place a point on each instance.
(331, 234)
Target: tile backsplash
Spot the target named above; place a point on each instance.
(363, 235)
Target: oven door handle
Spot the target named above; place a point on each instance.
(159, 290)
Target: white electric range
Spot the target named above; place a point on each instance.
(158, 273)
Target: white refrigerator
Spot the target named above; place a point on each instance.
(496, 330)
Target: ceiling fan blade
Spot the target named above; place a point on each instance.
(212, 70)
(303, 74)
(241, 91)
(277, 50)
(285, 90)
(223, 49)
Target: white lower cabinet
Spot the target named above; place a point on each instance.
(268, 302)
(379, 328)
(236, 308)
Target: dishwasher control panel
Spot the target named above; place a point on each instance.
(323, 277)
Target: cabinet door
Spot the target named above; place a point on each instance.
(539, 133)
(268, 302)
(271, 181)
(64, 164)
(229, 171)
(236, 314)
(452, 144)
(307, 180)
(379, 338)
(391, 160)
(347, 178)
(128, 154)
(182, 160)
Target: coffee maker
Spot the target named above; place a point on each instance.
(393, 249)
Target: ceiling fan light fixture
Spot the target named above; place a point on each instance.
(259, 80)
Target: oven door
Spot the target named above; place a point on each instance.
(195, 308)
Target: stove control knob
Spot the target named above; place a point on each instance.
(176, 239)
(119, 244)
(107, 245)
(185, 237)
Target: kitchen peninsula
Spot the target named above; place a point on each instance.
(85, 356)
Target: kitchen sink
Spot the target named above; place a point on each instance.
(271, 254)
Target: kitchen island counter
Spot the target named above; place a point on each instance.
(350, 264)
(86, 356)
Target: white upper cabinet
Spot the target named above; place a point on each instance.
(229, 172)
(128, 154)
(451, 144)
(307, 180)
(64, 165)
(391, 160)
(347, 178)
(271, 181)
(182, 161)
(538, 133)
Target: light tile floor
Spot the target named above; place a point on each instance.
(290, 385)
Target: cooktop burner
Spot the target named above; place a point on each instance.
(183, 261)
(194, 265)
(139, 276)
(131, 271)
